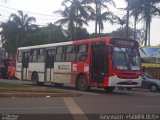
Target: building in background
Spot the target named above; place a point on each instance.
(150, 59)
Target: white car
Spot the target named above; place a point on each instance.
(148, 82)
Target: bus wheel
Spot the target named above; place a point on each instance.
(82, 83)
(109, 89)
(35, 79)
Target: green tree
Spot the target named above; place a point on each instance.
(74, 15)
(97, 14)
(122, 21)
(146, 9)
(82, 33)
(23, 23)
(103, 17)
(44, 35)
(120, 32)
(9, 36)
(14, 31)
(135, 13)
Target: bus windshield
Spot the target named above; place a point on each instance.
(126, 58)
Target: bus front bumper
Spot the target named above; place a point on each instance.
(119, 82)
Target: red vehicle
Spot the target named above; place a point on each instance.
(11, 69)
(7, 66)
(106, 62)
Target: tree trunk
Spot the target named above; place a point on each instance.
(127, 23)
(75, 34)
(146, 33)
(96, 22)
(99, 29)
(135, 28)
(149, 28)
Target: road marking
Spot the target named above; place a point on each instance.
(74, 109)
(148, 106)
(32, 108)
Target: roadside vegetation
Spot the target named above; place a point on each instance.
(7, 85)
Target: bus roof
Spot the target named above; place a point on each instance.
(45, 45)
(70, 42)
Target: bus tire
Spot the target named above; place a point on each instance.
(109, 89)
(35, 79)
(82, 83)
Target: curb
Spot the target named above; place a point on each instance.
(7, 95)
(35, 92)
(31, 89)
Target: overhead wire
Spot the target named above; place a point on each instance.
(29, 11)
(26, 11)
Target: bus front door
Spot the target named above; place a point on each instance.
(98, 62)
(25, 63)
(49, 65)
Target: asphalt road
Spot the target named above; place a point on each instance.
(94, 102)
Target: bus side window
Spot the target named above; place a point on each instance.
(25, 60)
(19, 57)
(82, 52)
(33, 55)
(71, 53)
(50, 58)
(41, 55)
(60, 53)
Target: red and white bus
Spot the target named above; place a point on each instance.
(105, 62)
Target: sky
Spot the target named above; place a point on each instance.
(42, 10)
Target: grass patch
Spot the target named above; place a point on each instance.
(17, 90)
(8, 85)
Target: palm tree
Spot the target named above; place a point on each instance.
(97, 15)
(135, 13)
(127, 16)
(122, 21)
(9, 36)
(103, 17)
(74, 15)
(23, 23)
(146, 9)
